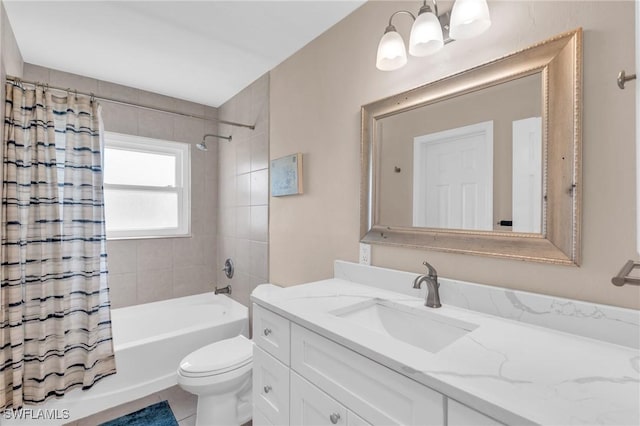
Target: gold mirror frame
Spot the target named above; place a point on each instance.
(559, 60)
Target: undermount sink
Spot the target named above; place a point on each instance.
(416, 326)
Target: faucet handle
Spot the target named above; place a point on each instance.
(432, 271)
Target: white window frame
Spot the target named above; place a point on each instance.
(182, 153)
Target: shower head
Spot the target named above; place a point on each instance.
(202, 146)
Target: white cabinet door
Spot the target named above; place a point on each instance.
(271, 333)
(270, 388)
(310, 406)
(461, 415)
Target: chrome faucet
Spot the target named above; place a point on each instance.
(223, 290)
(433, 295)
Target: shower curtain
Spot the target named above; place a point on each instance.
(55, 327)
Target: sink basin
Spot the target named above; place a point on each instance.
(416, 326)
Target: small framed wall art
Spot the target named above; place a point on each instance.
(286, 175)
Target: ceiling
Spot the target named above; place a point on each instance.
(202, 51)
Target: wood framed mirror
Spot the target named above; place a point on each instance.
(484, 162)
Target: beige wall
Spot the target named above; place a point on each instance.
(148, 270)
(243, 213)
(316, 97)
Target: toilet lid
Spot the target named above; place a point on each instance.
(219, 357)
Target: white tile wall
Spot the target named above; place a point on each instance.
(260, 187)
(260, 223)
(243, 185)
(243, 214)
(243, 156)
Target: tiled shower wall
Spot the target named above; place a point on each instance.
(147, 270)
(243, 212)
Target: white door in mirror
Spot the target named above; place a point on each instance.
(453, 178)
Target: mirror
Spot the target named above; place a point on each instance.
(470, 162)
(487, 161)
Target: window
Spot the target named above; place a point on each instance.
(146, 187)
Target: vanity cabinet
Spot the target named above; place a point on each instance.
(301, 378)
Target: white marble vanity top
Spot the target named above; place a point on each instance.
(515, 372)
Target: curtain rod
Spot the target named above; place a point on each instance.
(17, 80)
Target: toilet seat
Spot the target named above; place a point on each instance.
(218, 358)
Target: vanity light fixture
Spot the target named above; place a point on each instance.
(431, 31)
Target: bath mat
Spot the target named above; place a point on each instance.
(158, 414)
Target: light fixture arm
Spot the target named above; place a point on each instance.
(390, 27)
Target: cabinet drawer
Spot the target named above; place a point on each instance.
(270, 387)
(461, 415)
(378, 394)
(311, 406)
(271, 333)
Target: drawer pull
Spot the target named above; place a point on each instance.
(334, 418)
(267, 389)
(267, 331)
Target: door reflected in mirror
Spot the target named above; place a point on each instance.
(471, 162)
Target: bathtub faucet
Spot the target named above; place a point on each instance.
(223, 290)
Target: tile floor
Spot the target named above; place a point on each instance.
(183, 405)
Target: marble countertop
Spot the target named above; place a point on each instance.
(514, 372)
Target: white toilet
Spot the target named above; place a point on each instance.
(220, 374)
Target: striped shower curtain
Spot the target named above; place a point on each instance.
(55, 327)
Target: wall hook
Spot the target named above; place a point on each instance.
(623, 78)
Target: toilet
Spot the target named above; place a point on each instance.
(220, 374)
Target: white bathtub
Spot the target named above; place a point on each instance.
(149, 341)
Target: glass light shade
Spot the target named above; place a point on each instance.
(426, 35)
(469, 18)
(391, 52)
